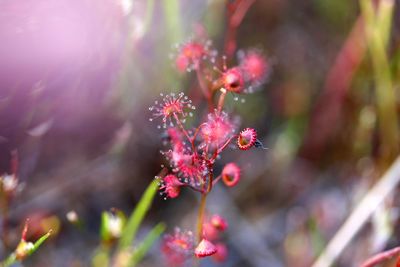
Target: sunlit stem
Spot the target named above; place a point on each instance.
(221, 99)
(200, 216)
(202, 207)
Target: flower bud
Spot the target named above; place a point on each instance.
(247, 138)
(112, 223)
(204, 249)
(231, 174)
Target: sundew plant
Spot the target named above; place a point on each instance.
(192, 153)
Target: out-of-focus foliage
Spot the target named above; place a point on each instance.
(116, 228)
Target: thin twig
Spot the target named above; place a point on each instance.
(360, 215)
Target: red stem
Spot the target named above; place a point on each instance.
(197, 131)
(216, 180)
(221, 99)
(237, 10)
(203, 86)
(226, 144)
(381, 257)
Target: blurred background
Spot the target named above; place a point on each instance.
(77, 78)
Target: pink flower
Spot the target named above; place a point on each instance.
(218, 129)
(255, 67)
(190, 167)
(170, 106)
(171, 186)
(191, 53)
(230, 175)
(205, 248)
(178, 247)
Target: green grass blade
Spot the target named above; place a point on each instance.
(377, 28)
(146, 244)
(134, 221)
(12, 258)
(384, 19)
(39, 242)
(9, 261)
(101, 257)
(103, 226)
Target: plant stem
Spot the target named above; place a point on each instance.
(237, 11)
(203, 86)
(216, 179)
(4, 211)
(200, 216)
(178, 121)
(221, 99)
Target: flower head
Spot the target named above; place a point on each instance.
(247, 138)
(218, 129)
(171, 106)
(191, 167)
(171, 186)
(255, 67)
(233, 80)
(191, 53)
(112, 224)
(178, 247)
(230, 176)
(205, 248)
